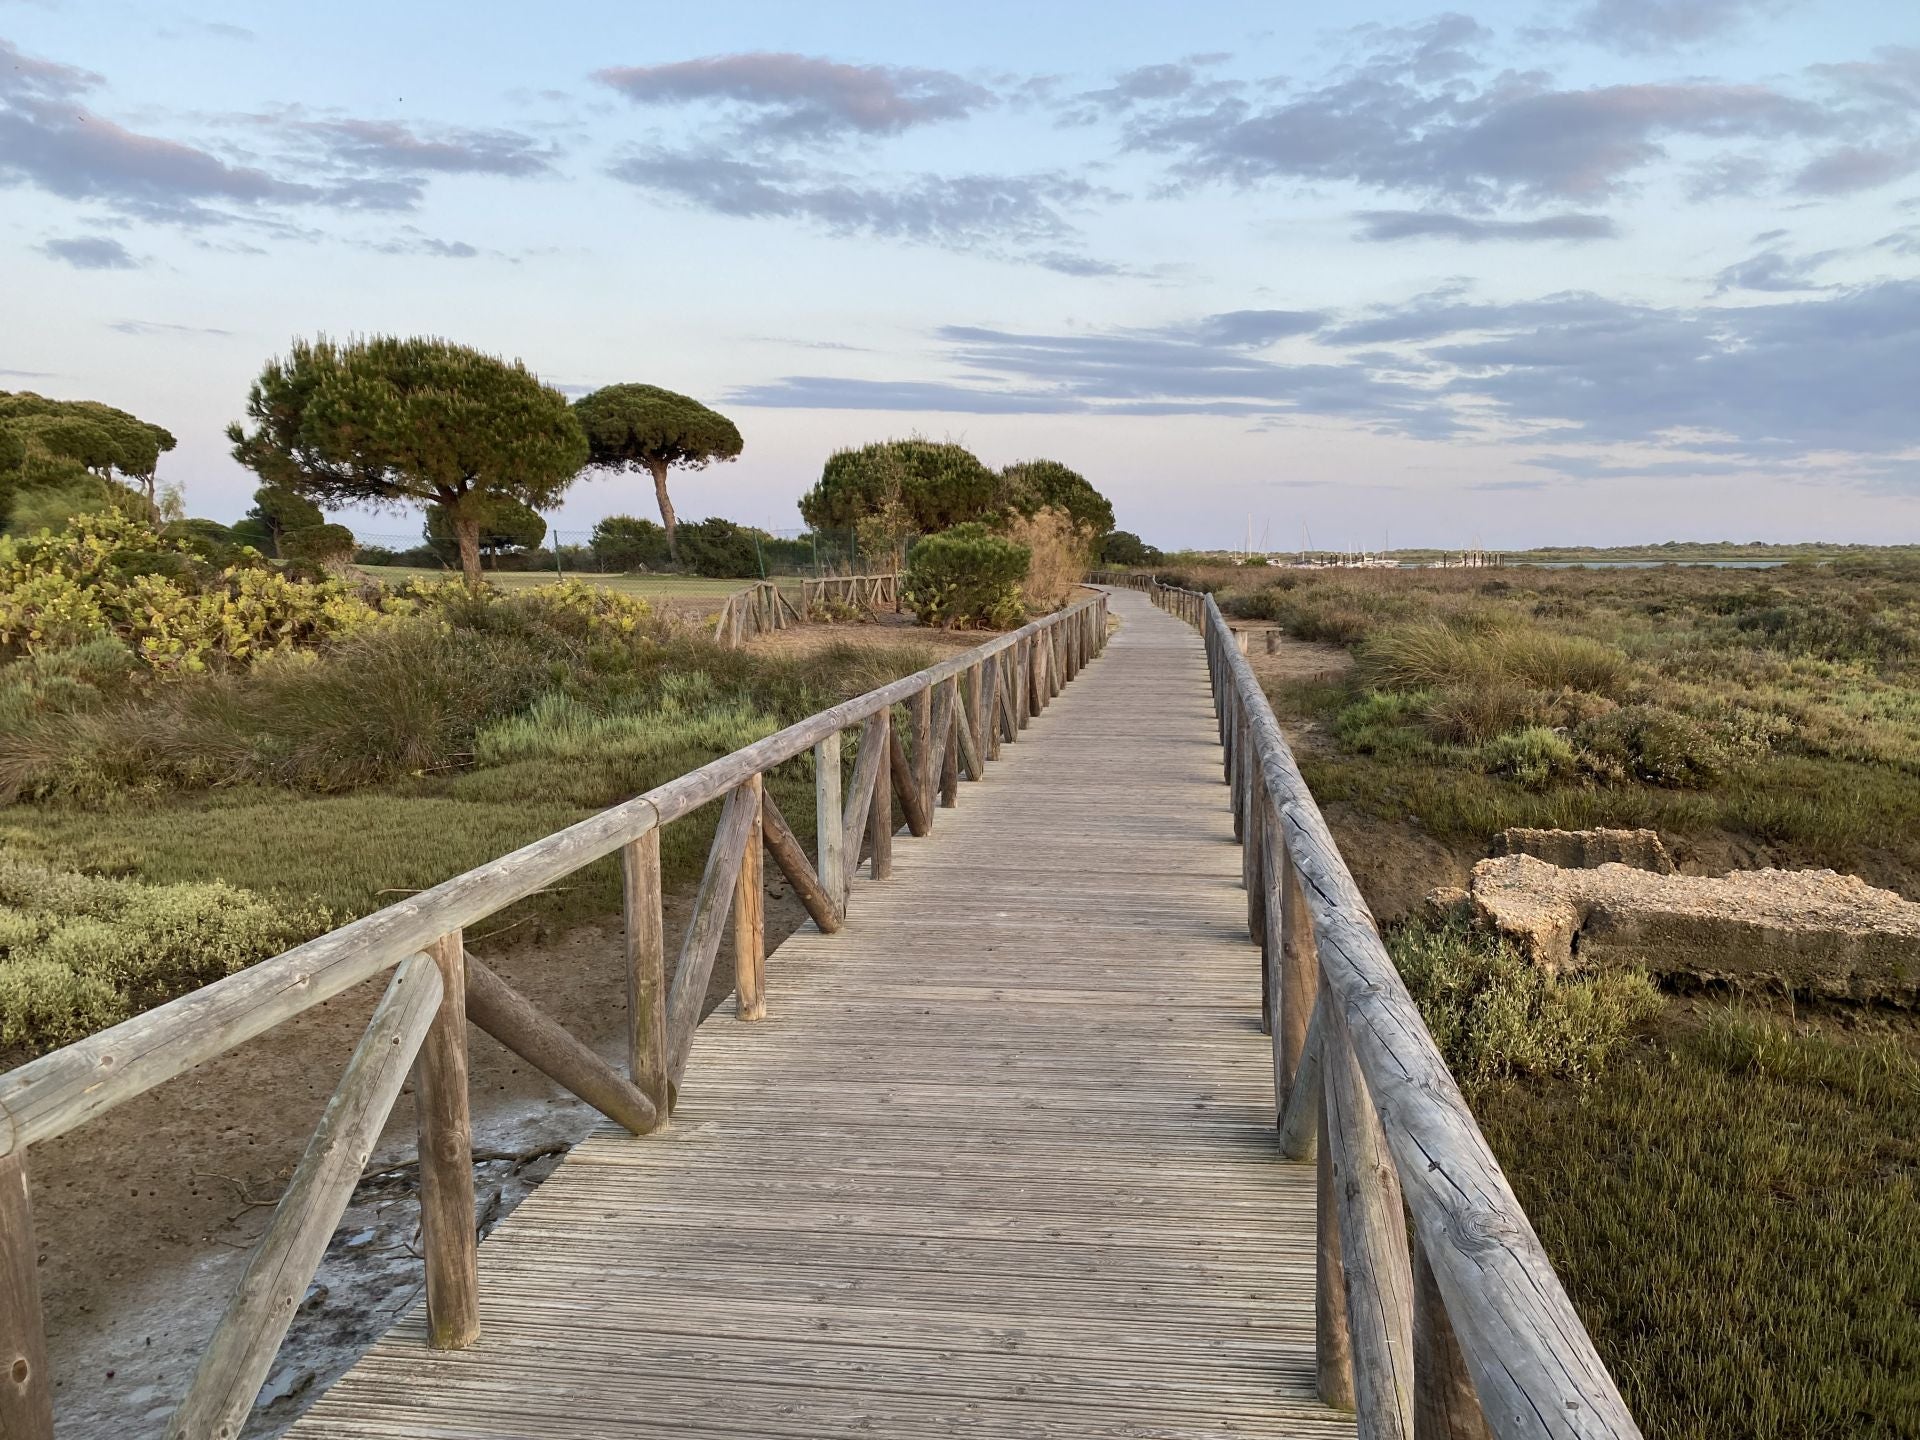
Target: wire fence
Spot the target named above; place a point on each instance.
(710, 548)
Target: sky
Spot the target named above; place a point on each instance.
(1562, 271)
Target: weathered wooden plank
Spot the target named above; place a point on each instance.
(237, 1360)
(829, 834)
(26, 1382)
(947, 724)
(448, 1243)
(920, 717)
(1444, 1405)
(646, 954)
(869, 767)
(517, 1023)
(1373, 1246)
(702, 943)
(906, 784)
(880, 822)
(749, 912)
(784, 846)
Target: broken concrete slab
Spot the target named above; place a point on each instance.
(1811, 931)
(1588, 849)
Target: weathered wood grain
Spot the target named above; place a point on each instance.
(784, 846)
(829, 834)
(26, 1383)
(238, 1358)
(645, 933)
(536, 1037)
(710, 910)
(444, 1133)
(749, 911)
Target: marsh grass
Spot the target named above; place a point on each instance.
(1735, 1209)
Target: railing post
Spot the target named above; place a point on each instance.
(749, 911)
(828, 827)
(1299, 964)
(1332, 1346)
(1445, 1406)
(880, 816)
(447, 1234)
(1373, 1245)
(949, 746)
(1253, 871)
(646, 935)
(920, 715)
(26, 1386)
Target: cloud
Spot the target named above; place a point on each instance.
(1198, 367)
(161, 327)
(781, 96)
(1773, 270)
(390, 147)
(1640, 27)
(1849, 168)
(1432, 224)
(961, 212)
(90, 252)
(1419, 114)
(1717, 388)
(50, 140)
(410, 241)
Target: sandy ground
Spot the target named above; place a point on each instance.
(146, 1216)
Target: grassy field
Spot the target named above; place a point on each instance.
(1729, 1185)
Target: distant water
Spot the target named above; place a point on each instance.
(1650, 564)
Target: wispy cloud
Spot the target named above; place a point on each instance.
(1473, 229)
(90, 252)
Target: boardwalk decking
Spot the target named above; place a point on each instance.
(998, 1162)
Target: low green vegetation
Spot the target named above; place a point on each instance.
(1775, 708)
(324, 748)
(1731, 1196)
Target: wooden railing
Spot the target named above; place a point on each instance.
(959, 712)
(851, 592)
(1465, 1330)
(760, 609)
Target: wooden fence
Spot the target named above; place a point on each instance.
(763, 608)
(959, 712)
(760, 609)
(851, 592)
(1464, 1330)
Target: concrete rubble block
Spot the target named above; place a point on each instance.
(1812, 931)
(1586, 849)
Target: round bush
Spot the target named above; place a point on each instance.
(966, 578)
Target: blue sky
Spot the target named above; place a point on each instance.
(1580, 270)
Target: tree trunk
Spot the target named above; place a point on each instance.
(467, 531)
(659, 469)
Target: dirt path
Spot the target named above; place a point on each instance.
(146, 1216)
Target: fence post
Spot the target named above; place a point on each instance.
(881, 815)
(646, 937)
(26, 1386)
(1373, 1244)
(447, 1238)
(828, 831)
(1445, 1406)
(749, 912)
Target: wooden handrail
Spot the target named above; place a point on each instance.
(439, 988)
(1530, 1360)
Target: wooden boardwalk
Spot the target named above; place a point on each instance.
(998, 1162)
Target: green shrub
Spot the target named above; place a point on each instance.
(1469, 714)
(719, 549)
(1654, 745)
(687, 712)
(966, 578)
(1495, 1017)
(80, 952)
(1536, 757)
(1377, 723)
